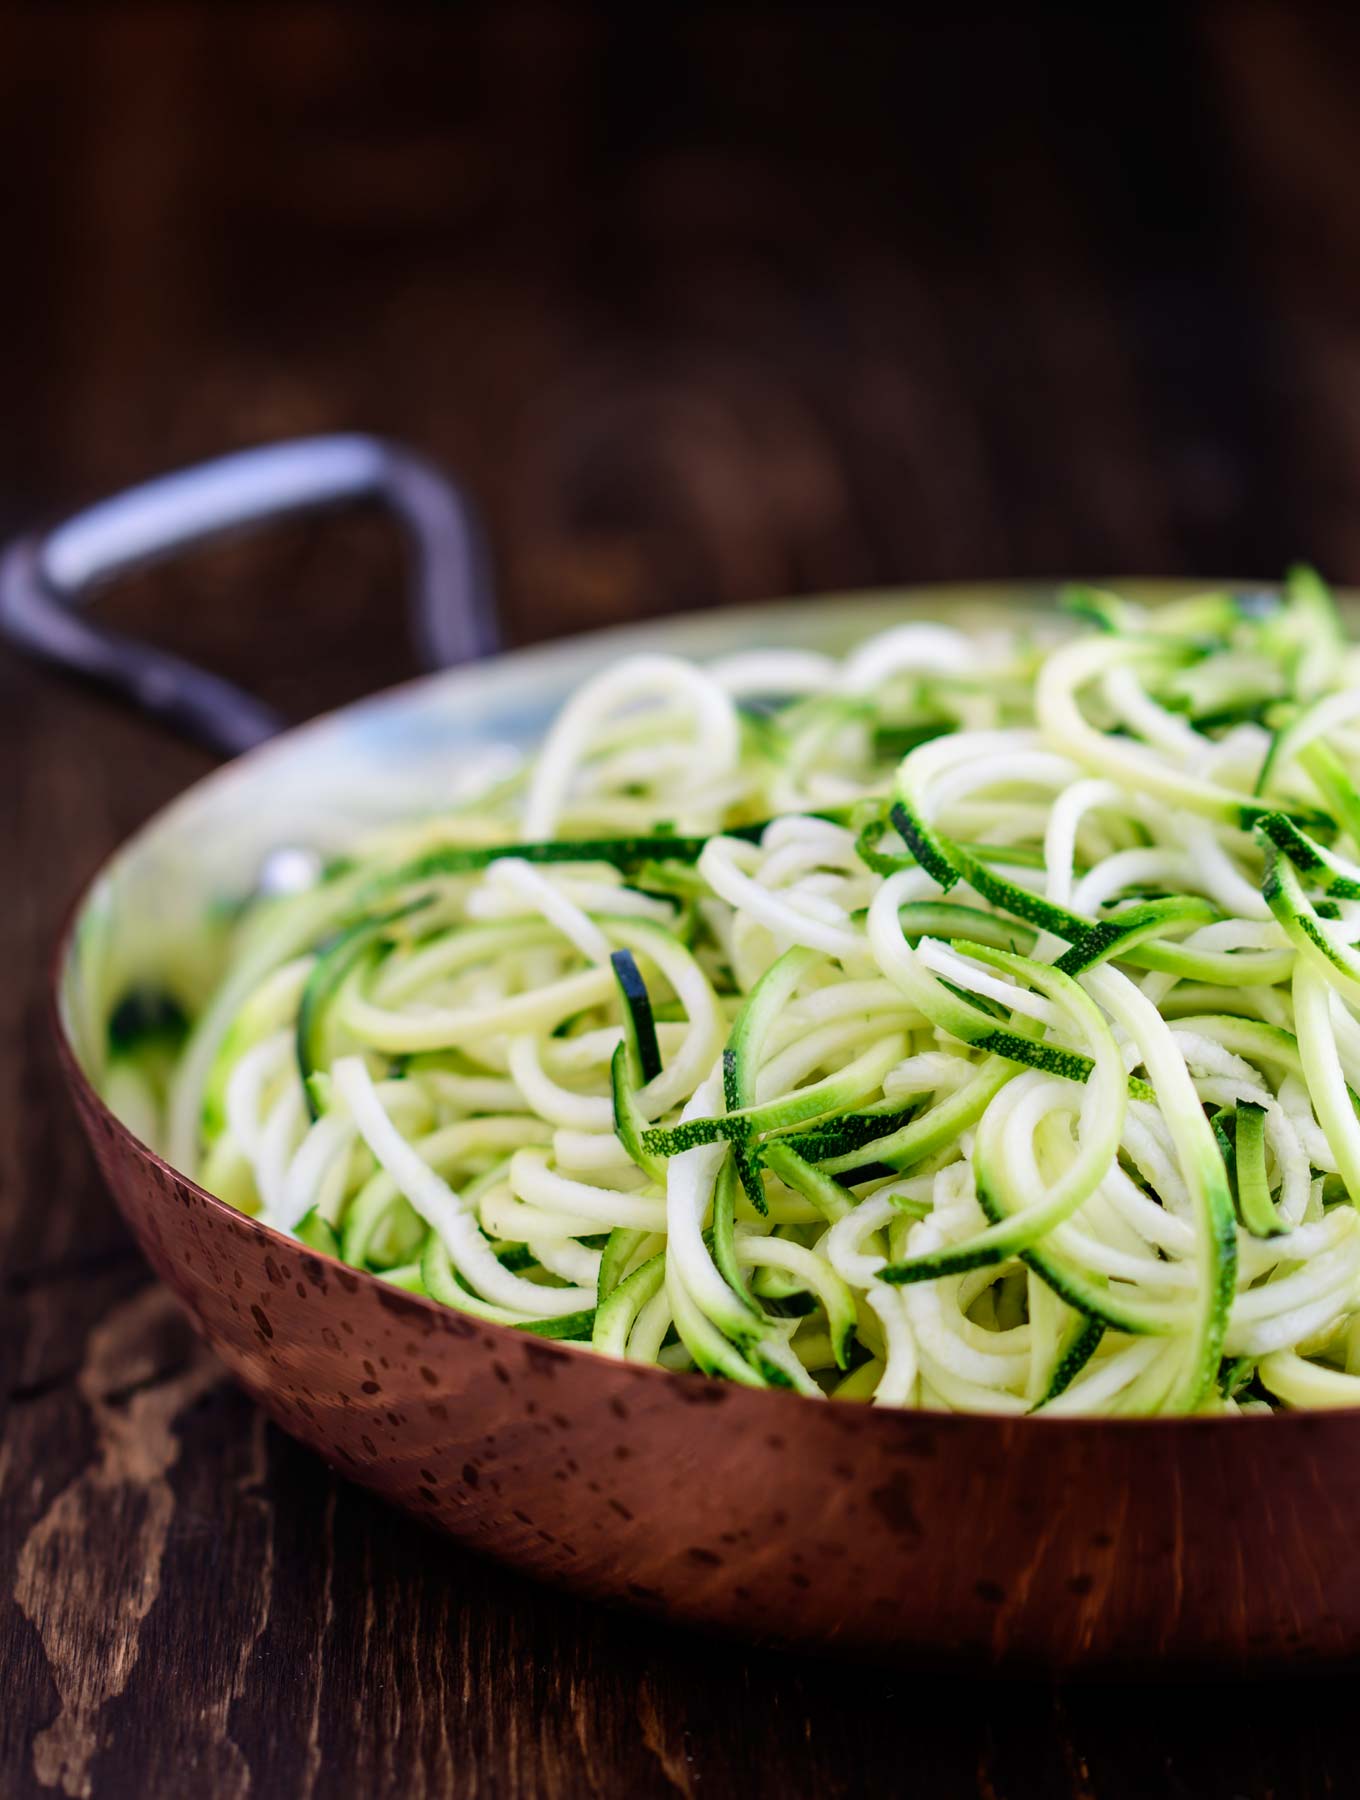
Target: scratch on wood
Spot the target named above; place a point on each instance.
(312, 1767)
(654, 1737)
(986, 1787)
(1078, 1769)
(444, 1763)
(88, 1610)
(251, 1490)
(578, 1699)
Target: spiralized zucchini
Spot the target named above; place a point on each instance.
(972, 1024)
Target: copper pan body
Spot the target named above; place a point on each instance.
(1031, 1544)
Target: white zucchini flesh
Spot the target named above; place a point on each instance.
(986, 1033)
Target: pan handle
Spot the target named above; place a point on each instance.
(45, 576)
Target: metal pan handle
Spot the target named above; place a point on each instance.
(44, 577)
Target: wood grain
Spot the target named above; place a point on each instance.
(708, 304)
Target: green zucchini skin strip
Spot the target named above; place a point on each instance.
(943, 919)
(828, 1196)
(833, 1295)
(1224, 1123)
(442, 1284)
(931, 1130)
(713, 1353)
(1299, 919)
(630, 1127)
(848, 1131)
(1081, 1345)
(724, 1236)
(948, 863)
(845, 1089)
(146, 1013)
(1019, 1230)
(618, 1252)
(1333, 1102)
(967, 1018)
(636, 1061)
(626, 853)
(1112, 939)
(1329, 871)
(1254, 1203)
(887, 862)
(575, 1327)
(892, 743)
(1326, 771)
(763, 1005)
(616, 1315)
(1091, 1295)
(318, 1233)
(332, 966)
(1097, 606)
(639, 1028)
(1204, 1175)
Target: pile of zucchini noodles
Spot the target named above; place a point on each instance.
(969, 1024)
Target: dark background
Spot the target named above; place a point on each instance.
(706, 304)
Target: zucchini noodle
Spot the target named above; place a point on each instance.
(973, 1023)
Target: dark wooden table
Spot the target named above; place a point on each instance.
(707, 305)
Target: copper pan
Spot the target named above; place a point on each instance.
(1030, 1543)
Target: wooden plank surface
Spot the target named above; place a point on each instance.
(707, 304)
